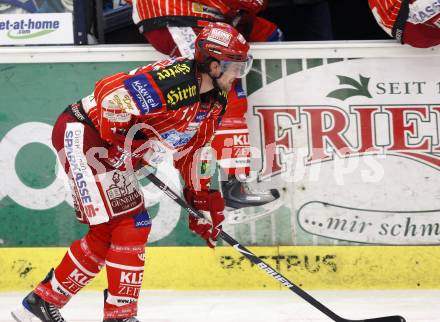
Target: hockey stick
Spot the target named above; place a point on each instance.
(261, 264)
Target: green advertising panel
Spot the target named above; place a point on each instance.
(33, 95)
(34, 207)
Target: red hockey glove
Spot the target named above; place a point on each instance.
(207, 202)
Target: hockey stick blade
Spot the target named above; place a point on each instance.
(241, 215)
(394, 318)
(260, 263)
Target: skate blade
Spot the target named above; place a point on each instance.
(250, 214)
(23, 315)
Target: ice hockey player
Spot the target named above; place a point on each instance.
(171, 27)
(130, 119)
(412, 22)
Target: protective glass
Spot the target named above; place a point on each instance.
(238, 69)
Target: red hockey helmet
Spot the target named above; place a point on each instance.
(223, 43)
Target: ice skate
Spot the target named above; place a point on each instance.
(244, 204)
(34, 307)
(129, 319)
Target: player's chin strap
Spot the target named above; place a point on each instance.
(258, 262)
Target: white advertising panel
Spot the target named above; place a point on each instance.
(355, 144)
(36, 28)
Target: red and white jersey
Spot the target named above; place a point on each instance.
(422, 27)
(385, 12)
(204, 9)
(165, 99)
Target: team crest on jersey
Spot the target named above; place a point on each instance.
(142, 91)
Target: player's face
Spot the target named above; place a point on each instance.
(237, 68)
(230, 71)
(225, 81)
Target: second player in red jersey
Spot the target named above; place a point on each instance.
(413, 22)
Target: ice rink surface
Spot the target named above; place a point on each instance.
(252, 306)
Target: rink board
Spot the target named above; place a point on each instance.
(200, 268)
(298, 93)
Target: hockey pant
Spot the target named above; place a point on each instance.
(112, 204)
(100, 193)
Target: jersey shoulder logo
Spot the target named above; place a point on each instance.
(178, 84)
(144, 94)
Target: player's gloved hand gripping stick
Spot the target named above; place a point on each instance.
(258, 262)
